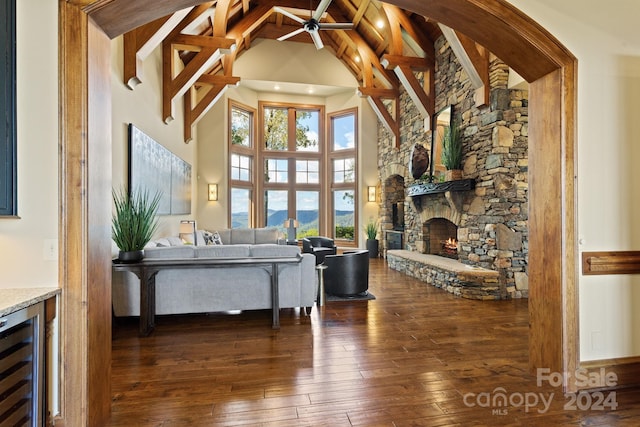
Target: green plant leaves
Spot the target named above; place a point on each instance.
(134, 219)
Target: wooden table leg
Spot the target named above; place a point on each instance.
(275, 297)
(147, 303)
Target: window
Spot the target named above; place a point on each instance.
(343, 157)
(242, 154)
(295, 170)
(276, 171)
(308, 171)
(240, 167)
(292, 152)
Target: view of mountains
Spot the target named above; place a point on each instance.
(307, 219)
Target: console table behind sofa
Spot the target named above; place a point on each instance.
(147, 269)
(203, 279)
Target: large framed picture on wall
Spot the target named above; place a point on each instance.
(153, 168)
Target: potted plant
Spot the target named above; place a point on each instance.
(452, 152)
(371, 230)
(133, 222)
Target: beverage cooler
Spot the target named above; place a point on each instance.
(21, 367)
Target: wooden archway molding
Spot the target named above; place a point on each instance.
(85, 180)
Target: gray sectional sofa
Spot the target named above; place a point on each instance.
(203, 290)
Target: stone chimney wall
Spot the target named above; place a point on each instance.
(493, 218)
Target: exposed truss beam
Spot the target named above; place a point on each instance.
(196, 105)
(422, 96)
(139, 43)
(474, 60)
(367, 54)
(176, 84)
(390, 120)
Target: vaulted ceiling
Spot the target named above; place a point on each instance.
(385, 48)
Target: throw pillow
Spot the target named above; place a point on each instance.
(208, 237)
(217, 240)
(175, 241)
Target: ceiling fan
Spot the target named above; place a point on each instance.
(313, 24)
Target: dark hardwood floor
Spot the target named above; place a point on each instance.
(415, 356)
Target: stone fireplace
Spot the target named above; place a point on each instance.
(489, 220)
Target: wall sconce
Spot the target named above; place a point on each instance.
(291, 225)
(371, 193)
(213, 192)
(188, 229)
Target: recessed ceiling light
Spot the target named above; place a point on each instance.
(276, 87)
(310, 90)
(357, 58)
(380, 24)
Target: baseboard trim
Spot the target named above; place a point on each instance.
(626, 370)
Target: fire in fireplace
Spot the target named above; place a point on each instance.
(450, 248)
(440, 237)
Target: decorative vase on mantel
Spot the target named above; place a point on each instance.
(452, 174)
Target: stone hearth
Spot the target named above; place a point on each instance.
(453, 276)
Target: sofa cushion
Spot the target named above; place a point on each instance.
(184, 251)
(223, 251)
(225, 236)
(266, 235)
(241, 236)
(273, 250)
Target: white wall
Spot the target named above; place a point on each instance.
(22, 241)
(143, 107)
(292, 62)
(607, 44)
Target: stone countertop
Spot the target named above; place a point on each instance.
(14, 299)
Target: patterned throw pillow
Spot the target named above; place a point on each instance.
(217, 240)
(208, 237)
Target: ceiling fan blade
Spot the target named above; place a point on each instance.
(336, 26)
(288, 14)
(316, 39)
(322, 8)
(291, 34)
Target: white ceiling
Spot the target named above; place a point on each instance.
(294, 88)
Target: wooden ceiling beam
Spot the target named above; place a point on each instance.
(221, 17)
(140, 42)
(397, 17)
(176, 84)
(416, 63)
(362, 8)
(367, 54)
(422, 96)
(195, 109)
(389, 120)
(474, 60)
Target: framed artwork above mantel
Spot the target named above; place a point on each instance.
(8, 139)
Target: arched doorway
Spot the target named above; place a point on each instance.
(86, 182)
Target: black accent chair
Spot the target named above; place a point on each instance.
(319, 246)
(347, 274)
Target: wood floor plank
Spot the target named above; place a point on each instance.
(414, 356)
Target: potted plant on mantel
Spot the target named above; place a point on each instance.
(133, 222)
(452, 152)
(371, 230)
